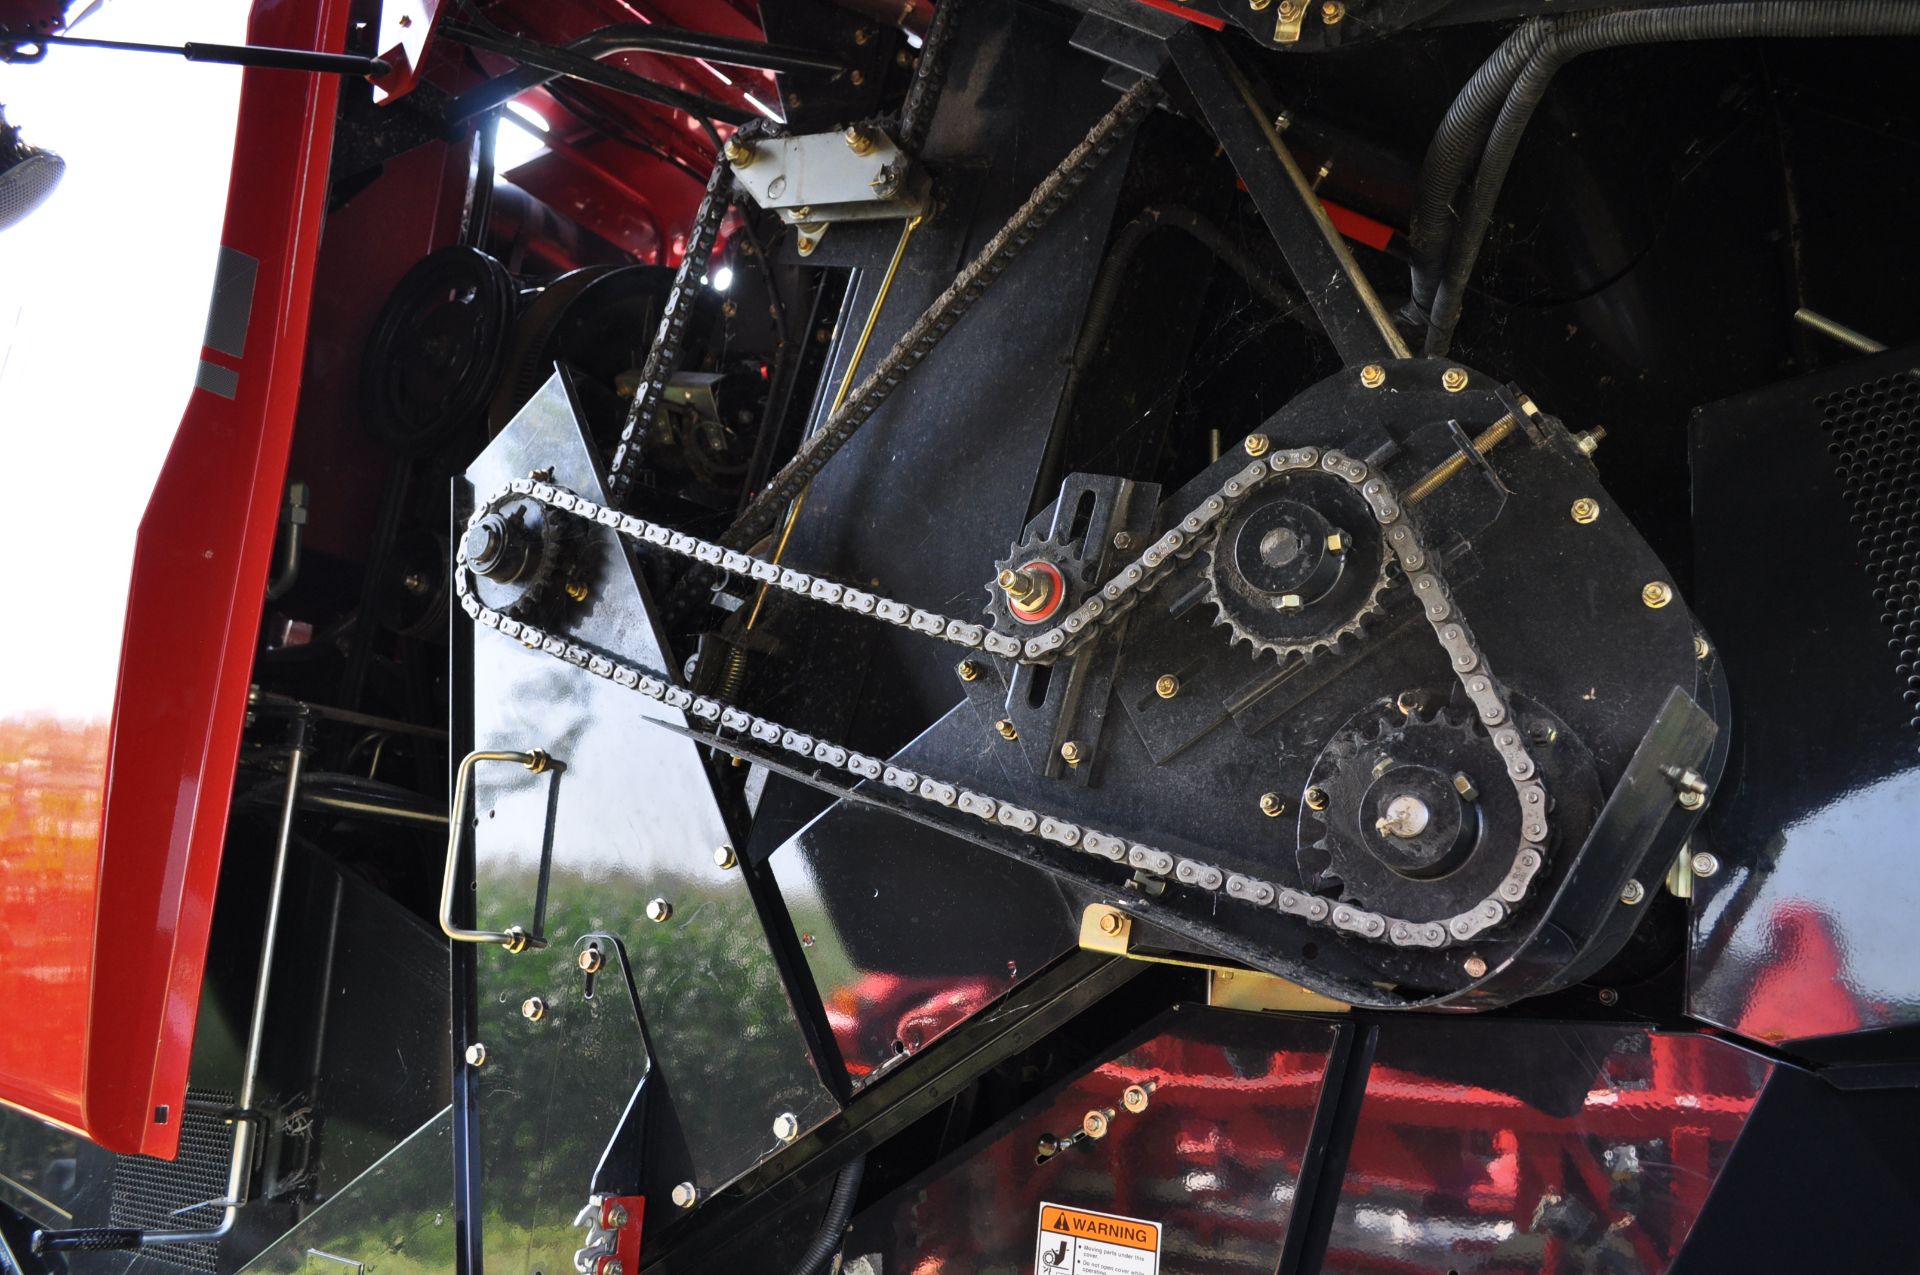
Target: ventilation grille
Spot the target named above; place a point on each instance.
(146, 1191)
(1877, 451)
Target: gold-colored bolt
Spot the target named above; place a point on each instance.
(1271, 805)
(859, 141)
(577, 591)
(969, 671)
(805, 246)
(659, 910)
(1070, 752)
(1332, 11)
(1166, 686)
(614, 1216)
(1585, 510)
(1094, 1123)
(1256, 444)
(858, 77)
(1007, 729)
(725, 857)
(1373, 376)
(1656, 593)
(1589, 440)
(590, 960)
(476, 1055)
(1135, 1099)
(1289, 602)
(1291, 9)
(1476, 967)
(1453, 380)
(1464, 786)
(1112, 923)
(1336, 543)
(1316, 799)
(1258, 5)
(740, 154)
(1026, 589)
(533, 1009)
(1700, 648)
(863, 35)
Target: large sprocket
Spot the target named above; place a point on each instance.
(1300, 568)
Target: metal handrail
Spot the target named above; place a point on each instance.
(514, 938)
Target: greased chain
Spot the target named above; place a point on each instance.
(1127, 586)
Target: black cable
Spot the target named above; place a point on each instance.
(1779, 19)
(827, 1240)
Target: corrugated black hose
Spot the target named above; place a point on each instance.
(827, 1240)
(1776, 19)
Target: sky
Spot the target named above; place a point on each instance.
(103, 300)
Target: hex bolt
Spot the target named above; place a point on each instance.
(533, 1009)
(1135, 1098)
(1256, 444)
(1475, 966)
(968, 671)
(590, 959)
(1589, 440)
(1585, 510)
(1608, 996)
(805, 246)
(685, 1195)
(1332, 11)
(1289, 602)
(476, 1055)
(724, 857)
(1112, 923)
(1166, 686)
(1692, 800)
(1094, 1123)
(1316, 799)
(1123, 540)
(1271, 805)
(1258, 5)
(614, 1216)
(859, 141)
(1701, 650)
(1656, 593)
(659, 910)
(1632, 893)
(1007, 729)
(1705, 864)
(1373, 376)
(1453, 380)
(1336, 543)
(578, 591)
(740, 154)
(1070, 752)
(786, 1126)
(609, 1265)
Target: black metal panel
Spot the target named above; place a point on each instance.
(1805, 509)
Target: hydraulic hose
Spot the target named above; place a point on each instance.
(1459, 140)
(826, 1241)
(1779, 19)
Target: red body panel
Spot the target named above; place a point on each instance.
(114, 1006)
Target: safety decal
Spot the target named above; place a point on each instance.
(1076, 1241)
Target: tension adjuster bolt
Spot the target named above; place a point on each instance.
(1135, 1098)
(1070, 752)
(1094, 1123)
(1373, 376)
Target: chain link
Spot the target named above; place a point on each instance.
(1127, 587)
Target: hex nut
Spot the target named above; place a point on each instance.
(1316, 799)
(476, 1055)
(724, 857)
(533, 1009)
(1453, 380)
(685, 1195)
(1166, 686)
(1135, 1098)
(786, 1126)
(1094, 1124)
(1632, 893)
(1112, 923)
(1705, 864)
(1656, 593)
(968, 671)
(1373, 376)
(1585, 510)
(1070, 752)
(1256, 444)
(659, 910)
(1007, 729)
(590, 959)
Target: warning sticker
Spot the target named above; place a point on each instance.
(1082, 1242)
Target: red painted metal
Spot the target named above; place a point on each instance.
(200, 568)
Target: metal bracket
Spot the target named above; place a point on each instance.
(514, 938)
(1109, 930)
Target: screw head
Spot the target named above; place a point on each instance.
(1112, 923)
(1705, 864)
(1373, 376)
(659, 910)
(1166, 686)
(1475, 966)
(1006, 728)
(590, 960)
(1656, 593)
(1070, 752)
(786, 1126)
(1256, 444)
(1632, 893)
(1585, 510)
(1332, 11)
(1453, 380)
(968, 670)
(614, 1215)
(476, 1055)
(1094, 1124)
(533, 1009)
(1271, 805)
(1316, 799)
(724, 857)
(1135, 1099)
(685, 1195)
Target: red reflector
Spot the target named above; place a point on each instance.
(1179, 10)
(1358, 226)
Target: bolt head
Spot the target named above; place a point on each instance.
(1701, 649)
(1166, 686)
(724, 857)
(1608, 996)
(1070, 752)
(805, 246)
(1112, 923)
(1632, 893)
(1464, 786)
(590, 960)
(969, 671)
(1256, 444)
(1316, 799)
(1271, 805)
(533, 1009)
(1705, 864)
(1656, 593)
(1453, 380)
(1692, 800)
(1475, 966)
(614, 1215)
(609, 1265)
(476, 1055)
(859, 141)
(1135, 1099)
(1094, 1124)
(1123, 540)
(1585, 510)
(1373, 376)
(685, 1195)
(786, 1126)
(659, 910)
(1332, 11)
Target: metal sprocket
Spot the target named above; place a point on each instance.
(1060, 552)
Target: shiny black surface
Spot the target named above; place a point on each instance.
(1807, 930)
(627, 818)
